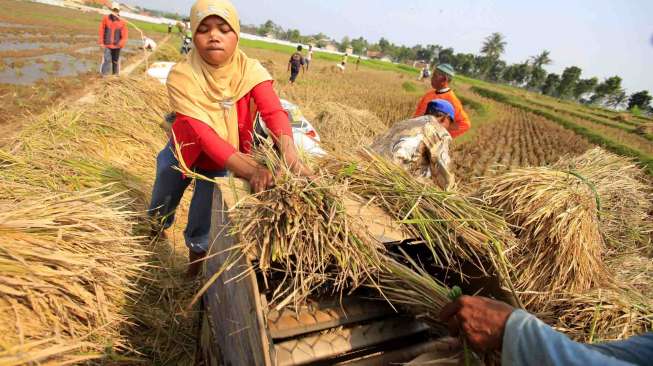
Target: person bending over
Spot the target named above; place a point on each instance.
(215, 94)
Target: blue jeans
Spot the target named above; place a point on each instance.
(169, 187)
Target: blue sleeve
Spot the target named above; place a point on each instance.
(637, 350)
(528, 341)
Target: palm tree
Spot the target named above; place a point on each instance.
(541, 59)
(494, 45)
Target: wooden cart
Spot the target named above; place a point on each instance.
(239, 328)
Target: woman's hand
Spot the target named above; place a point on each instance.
(261, 179)
(244, 166)
(290, 155)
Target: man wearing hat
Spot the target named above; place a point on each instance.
(440, 82)
(113, 37)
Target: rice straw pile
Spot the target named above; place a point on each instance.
(603, 314)
(66, 261)
(342, 127)
(626, 200)
(91, 242)
(564, 215)
(456, 229)
(557, 219)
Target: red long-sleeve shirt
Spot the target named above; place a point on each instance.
(201, 147)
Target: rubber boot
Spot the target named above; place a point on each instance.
(195, 265)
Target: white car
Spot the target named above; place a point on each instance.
(304, 134)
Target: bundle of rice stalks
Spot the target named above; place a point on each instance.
(168, 51)
(68, 264)
(601, 315)
(411, 287)
(342, 127)
(301, 229)
(110, 137)
(625, 199)
(557, 218)
(457, 229)
(301, 236)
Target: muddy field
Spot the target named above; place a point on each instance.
(48, 53)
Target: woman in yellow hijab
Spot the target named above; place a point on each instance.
(215, 94)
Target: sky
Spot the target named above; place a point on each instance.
(603, 38)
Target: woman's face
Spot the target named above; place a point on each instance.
(215, 40)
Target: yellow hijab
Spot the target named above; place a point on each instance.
(208, 93)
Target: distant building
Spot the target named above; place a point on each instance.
(349, 51)
(375, 54)
(331, 47)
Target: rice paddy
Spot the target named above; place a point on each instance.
(564, 226)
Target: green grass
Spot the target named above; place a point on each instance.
(409, 87)
(645, 159)
(373, 64)
(149, 27)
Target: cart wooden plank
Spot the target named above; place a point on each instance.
(233, 307)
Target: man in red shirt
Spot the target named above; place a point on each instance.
(440, 82)
(113, 37)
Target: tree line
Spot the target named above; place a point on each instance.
(487, 65)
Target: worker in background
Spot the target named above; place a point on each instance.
(425, 73)
(148, 44)
(113, 37)
(490, 325)
(295, 64)
(440, 82)
(169, 28)
(215, 93)
(343, 62)
(309, 56)
(420, 145)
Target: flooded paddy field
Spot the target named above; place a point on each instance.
(50, 53)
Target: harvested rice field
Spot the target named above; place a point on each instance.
(356, 260)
